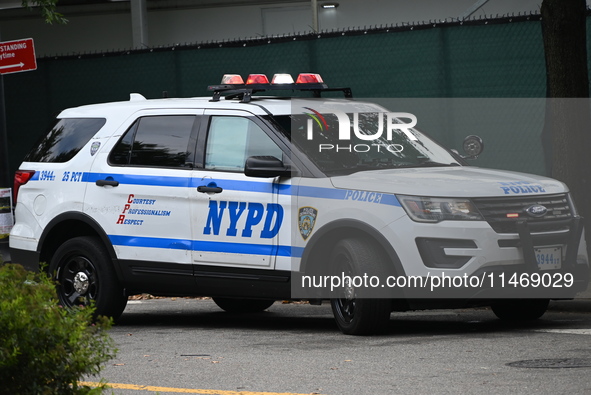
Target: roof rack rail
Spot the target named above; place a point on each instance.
(245, 91)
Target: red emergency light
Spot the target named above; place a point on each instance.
(234, 79)
(257, 79)
(309, 78)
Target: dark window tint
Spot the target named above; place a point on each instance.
(121, 154)
(65, 139)
(161, 141)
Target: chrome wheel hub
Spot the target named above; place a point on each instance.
(81, 283)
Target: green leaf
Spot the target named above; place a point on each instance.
(48, 10)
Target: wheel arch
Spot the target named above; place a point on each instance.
(67, 226)
(320, 245)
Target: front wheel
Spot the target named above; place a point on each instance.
(361, 316)
(520, 309)
(82, 269)
(354, 315)
(243, 305)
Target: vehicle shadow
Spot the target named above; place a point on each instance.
(293, 318)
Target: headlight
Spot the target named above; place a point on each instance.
(427, 209)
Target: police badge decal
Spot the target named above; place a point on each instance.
(94, 147)
(306, 220)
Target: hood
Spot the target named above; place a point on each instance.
(450, 182)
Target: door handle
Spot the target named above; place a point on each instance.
(102, 183)
(208, 189)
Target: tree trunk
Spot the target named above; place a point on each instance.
(568, 115)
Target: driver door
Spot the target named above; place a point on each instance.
(239, 221)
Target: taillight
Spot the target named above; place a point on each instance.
(21, 177)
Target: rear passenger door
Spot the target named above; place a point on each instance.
(238, 220)
(140, 188)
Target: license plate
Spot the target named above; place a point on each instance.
(548, 258)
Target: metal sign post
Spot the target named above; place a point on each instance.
(6, 220)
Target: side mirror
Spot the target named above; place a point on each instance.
(473, 146)
(265, 166)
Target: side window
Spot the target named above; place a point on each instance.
(233, 139)
(161, 141)
(121, 154)
(65, 139)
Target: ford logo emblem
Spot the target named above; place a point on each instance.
(537, 210)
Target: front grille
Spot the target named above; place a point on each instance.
(500, 212)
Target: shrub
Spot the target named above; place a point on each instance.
(45, 348)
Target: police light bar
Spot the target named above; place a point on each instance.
(233, 85)
(278, 79)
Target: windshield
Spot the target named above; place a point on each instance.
(370, 144)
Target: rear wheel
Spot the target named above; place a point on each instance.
(520, 309)
(243, 305)
(354, 315)
(84, 274)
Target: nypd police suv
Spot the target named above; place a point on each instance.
(251, 199)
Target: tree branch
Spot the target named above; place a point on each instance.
(48, 10)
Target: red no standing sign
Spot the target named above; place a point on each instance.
(17, 56)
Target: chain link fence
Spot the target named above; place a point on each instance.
(483, 58)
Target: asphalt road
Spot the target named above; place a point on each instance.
(169, 346)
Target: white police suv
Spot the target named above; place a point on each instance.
(251, 199)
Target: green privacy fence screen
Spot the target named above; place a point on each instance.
(484, 58)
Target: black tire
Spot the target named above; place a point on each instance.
(84, 273)
(353, 315)
(520, 309)
(242, 306)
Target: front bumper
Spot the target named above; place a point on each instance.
(522, 279)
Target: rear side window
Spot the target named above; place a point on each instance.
(159, 141)
(65, 139)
